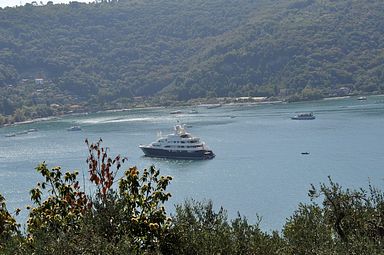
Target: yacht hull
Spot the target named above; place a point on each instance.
(174, 154)
(303, 118)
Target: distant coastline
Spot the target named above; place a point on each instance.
(191, 103)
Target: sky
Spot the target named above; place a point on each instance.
(11, 3)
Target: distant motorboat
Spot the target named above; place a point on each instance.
(305, 153)
(22, 132)
(176, 112)
(304, 116)
(74, 128)
(362, 98)
(212, 106)
(193, 111)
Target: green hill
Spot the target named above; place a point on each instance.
(108, 53)
(295, 47)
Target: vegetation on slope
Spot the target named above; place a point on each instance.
(115, 53)
(309, 49)
(129, 218)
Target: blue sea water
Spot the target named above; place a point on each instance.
(258, 168)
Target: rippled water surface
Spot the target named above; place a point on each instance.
(258, 169)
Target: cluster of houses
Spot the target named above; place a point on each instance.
(38, 81)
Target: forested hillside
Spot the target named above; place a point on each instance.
(105, 54)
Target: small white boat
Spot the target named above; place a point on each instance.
(304, 116)
(212, 106)
(176, 112)
(74, 128)
(193, 111)
(362, 98)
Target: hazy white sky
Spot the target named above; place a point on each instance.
(4, 3)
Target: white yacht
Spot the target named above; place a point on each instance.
(179, 145)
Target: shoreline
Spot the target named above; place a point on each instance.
(214, 101)
(30, 121)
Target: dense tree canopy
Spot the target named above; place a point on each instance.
(114, 51)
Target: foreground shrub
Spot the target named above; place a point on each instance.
(198, 229)
(64, 206)
(346, 222)
(9, 229)
(136, 210)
